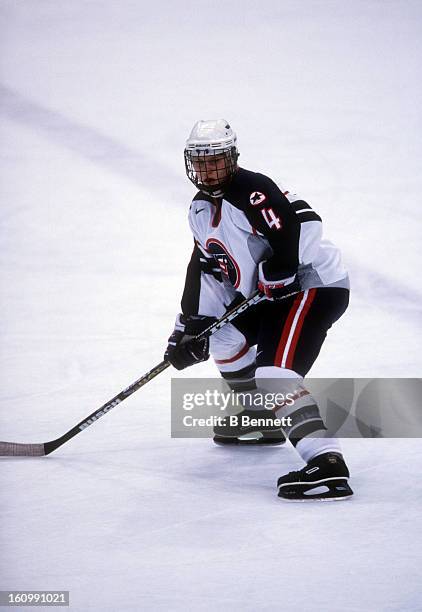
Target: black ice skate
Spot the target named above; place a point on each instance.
(249, 427)
(323, 479)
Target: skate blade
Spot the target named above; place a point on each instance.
(315, 499)
(249, 440)
(336, 491)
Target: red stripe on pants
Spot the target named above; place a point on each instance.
(296, 326)
(286, 330)
(297, 331)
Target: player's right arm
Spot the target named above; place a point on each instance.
(181, 350)
(199, 303)
(202, 277)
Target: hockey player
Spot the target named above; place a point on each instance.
(250, 233)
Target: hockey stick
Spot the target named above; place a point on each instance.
(14, 449)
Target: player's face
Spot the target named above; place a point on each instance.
(211, 170)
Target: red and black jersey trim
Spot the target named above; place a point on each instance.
(229, 267)
(203, 196)
(217, 213)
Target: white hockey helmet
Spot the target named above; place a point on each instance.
(211, 147)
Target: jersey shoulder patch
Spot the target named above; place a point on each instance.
(252, 190)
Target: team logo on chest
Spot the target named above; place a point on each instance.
(228, 265)
(257, 198)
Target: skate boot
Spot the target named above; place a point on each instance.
(323, 479)
(249, 427)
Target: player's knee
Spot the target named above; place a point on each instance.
(298, 404)
(269, 372)
(273, 379)
(238, 358)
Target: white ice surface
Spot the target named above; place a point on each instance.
(96, 101)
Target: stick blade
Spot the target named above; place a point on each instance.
(14, 449)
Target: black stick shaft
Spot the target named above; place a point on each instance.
(97, 414)
(14, 449)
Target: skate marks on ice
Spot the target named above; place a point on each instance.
(87, 142)
(381, 288)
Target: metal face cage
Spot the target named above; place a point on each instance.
(211, 170)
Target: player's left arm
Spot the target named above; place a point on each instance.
(293, 231)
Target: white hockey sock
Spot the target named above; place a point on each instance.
(308, 448)
(306, 431)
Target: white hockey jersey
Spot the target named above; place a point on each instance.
(254, 221)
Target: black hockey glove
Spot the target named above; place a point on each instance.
(275, 285)
(182, 351)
